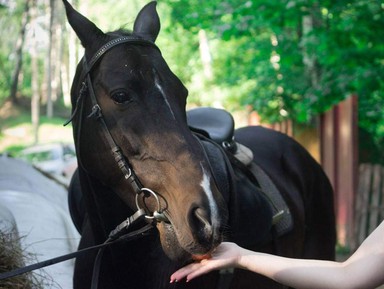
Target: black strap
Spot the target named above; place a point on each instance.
(114, 42)
(127, 237)
(96, 110)
(52, 261)
(97, 113)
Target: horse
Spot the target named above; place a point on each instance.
(137, 150)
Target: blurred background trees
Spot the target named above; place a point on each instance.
(291, 59)
(294, 59)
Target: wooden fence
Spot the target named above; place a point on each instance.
(359, 188)
(369, 203)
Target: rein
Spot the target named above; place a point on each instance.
(96, 112)
(119, 234)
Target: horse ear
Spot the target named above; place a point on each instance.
(147, 23)
(85, 29)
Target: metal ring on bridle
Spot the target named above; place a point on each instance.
(143, 190)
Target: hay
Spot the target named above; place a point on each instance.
(12, 256)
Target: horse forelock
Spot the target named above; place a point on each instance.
(120, 32)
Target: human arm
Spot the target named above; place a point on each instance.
(363, 270)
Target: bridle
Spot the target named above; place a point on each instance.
(122, 232)
(96, 112)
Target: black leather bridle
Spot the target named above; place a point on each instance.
(120, 159)
(121, 232)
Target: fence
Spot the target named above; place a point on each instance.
(369, 203)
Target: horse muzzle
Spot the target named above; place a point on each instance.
(191, 235)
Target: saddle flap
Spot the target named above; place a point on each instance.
(217, 123)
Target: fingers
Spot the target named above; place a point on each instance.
(224, 256)
(185, 272)
(194, 270)
(203, 268)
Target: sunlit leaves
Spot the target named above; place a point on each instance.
(340, 54)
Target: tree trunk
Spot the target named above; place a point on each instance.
(205, 54)
(50, 68)
(311, 21)
(35, 100)
(19, 53)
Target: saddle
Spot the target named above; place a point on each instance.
(219, 126)
(253, 192)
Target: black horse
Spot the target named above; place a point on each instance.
(136, 149)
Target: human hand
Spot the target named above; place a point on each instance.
(226, 255)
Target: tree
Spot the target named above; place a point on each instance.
(294, 59)
(35, 99)
(19, 52)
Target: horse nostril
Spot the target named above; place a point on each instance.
(202, 216)
(201, 221)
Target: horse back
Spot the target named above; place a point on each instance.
(304, 186)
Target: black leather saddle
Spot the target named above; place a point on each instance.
(217, 124)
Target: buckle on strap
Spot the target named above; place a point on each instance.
(96, 112)
(121, 162)
(124, 226)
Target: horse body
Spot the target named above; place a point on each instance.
(304, 186)
(129, 116)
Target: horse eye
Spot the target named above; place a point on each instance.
(121, 97)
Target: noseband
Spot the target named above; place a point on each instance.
(120, 159)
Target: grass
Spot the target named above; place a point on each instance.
(16, 130)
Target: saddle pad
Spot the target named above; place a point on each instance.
(282, 218)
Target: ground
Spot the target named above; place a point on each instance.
(16, 127)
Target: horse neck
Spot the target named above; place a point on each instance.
(244, 198)
(104, 208)
(220, 166)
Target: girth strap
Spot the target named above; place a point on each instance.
(282, 218)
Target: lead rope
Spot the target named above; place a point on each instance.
(119, 234)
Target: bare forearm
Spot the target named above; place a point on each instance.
(301, 274)
(363, 270)
(309, 274)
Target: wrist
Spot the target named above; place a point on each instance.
(241, 258)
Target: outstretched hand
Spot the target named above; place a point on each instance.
(226, 255)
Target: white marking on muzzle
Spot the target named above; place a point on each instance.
(206, 185)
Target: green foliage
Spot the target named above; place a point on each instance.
(9, 26)
(285, 67)
(265, 54)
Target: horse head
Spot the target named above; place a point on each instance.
(142, 104)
